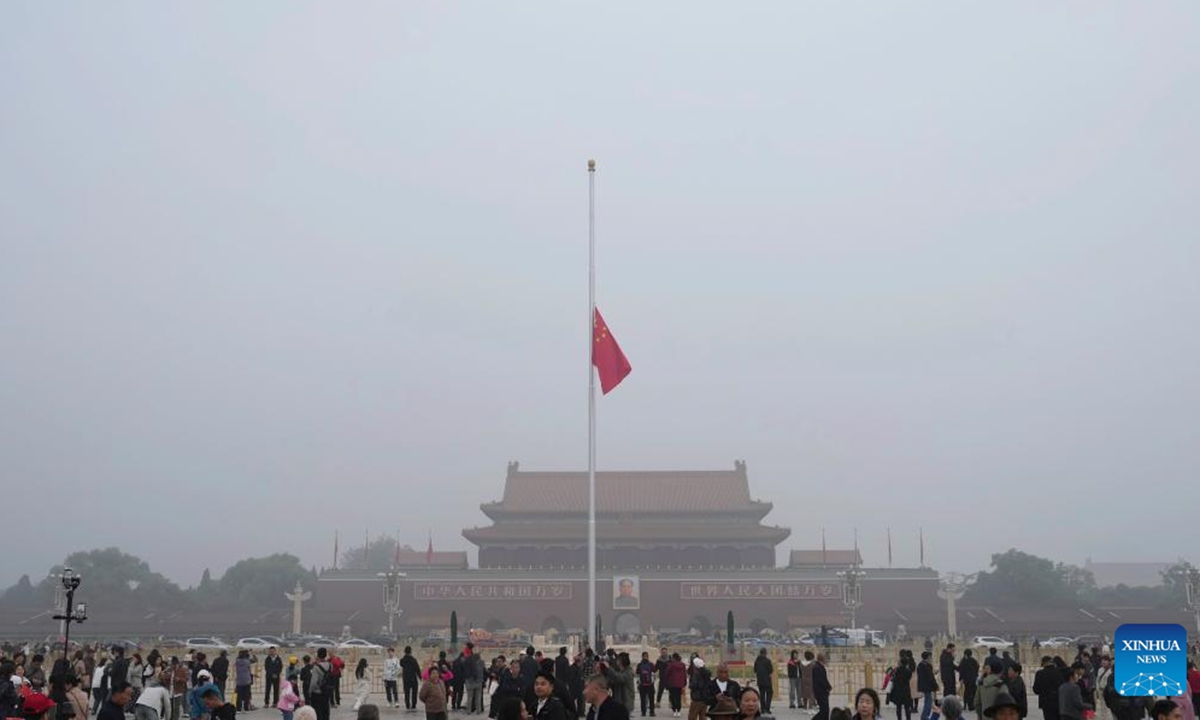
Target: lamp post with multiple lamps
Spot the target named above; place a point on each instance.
(852, 591)
(391, 597)
(68, 611)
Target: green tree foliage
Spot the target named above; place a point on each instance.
(259, 582)
(1175, 579)
(113, 579)
(1021, 577)
(379, 556)
(23, 594)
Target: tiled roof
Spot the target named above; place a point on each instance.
(671, 491)
(1133, 574)
(616, 533)
(803, 558)
(440, 558)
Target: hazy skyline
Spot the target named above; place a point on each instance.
(269, 270)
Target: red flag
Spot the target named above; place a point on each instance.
(611, 364)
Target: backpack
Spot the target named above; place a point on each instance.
(646, 675)
(329, 681)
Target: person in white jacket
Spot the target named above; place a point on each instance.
(100, 684)
(391, 673)
(154, 703)
(362, 684)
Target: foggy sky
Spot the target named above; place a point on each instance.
(276, 268)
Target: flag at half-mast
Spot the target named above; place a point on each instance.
(611, 364)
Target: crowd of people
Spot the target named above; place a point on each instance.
(597, 686)
(1085, 689)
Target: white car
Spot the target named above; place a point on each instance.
(255, 643)
(206, 643)
(356, 644)
(317, 643)
(991, 641)
(1058, 642)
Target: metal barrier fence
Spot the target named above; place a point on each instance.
(849, 669)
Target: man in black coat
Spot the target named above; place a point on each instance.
(603, 707)
(118, 671)
(968, 672)
(1045, 686)
(926, 684)
(1016, 688)
(273, 670)
(764, 672)
(410, 676)
(530, 667)
(220, 671)
(821, 688)
(722, 685)
(562, 665)
(947, 669)
(546, 703)
(660, 667)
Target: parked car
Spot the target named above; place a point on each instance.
(274, 640)
(1058, 642)
(358, 644)
(832, 638)
(317, 643)
(991, 641)
(1089, 641)
(255, 643)
(206, 643)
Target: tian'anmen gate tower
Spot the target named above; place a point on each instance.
(676, 550)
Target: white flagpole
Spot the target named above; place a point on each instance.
(593, 641)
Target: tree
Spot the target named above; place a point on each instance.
(1021, 577)
(113, 579)
(261, 581)
(1175, 580)
(23, 594)
(380, 555)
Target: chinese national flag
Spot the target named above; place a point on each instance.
(611, 364)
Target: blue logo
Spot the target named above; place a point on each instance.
(1150, 660)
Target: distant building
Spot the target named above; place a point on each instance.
(674, 549)
(1133, 574)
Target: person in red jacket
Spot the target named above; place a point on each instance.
(337, 665)
(675, 679)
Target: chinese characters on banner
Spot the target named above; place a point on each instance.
(492, 590)
(759, 591)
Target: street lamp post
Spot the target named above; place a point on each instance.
(391, 597)
(69, 612)
(852, 591)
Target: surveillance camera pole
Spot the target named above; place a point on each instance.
(391, 597)
(69, 613)
(852, 591)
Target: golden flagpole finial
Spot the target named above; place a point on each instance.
(591, 164)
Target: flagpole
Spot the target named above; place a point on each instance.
(593, 641)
